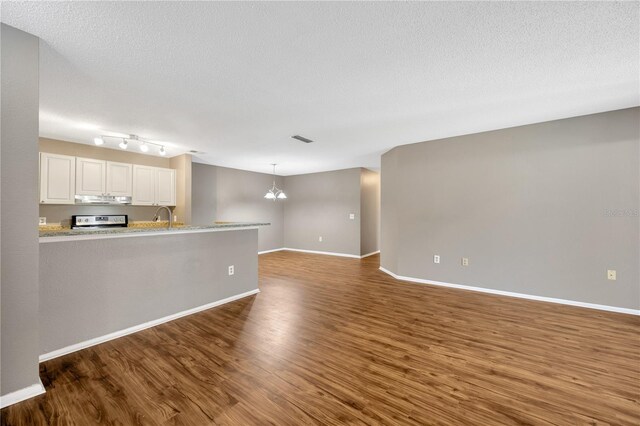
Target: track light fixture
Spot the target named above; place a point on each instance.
(124, 143)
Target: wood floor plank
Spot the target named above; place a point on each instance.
(333, 341)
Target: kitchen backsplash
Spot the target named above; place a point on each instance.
(62, 213)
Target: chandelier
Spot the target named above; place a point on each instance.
(274, 193)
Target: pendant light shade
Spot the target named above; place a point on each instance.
(275, 193)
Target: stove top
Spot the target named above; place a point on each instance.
(99, 221)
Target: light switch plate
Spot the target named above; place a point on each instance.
(352, 216)
(320, 239)
(611, 274)
(43, 221)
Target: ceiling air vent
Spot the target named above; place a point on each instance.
(302, 139)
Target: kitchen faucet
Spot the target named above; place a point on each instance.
(168, 211)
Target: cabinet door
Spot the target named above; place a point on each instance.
(57, 179)
(144, 179)
(119, 179)
(91, 176)
(165, 187)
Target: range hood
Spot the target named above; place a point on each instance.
(102, 199)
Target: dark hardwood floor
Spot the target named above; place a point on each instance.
(334, 341)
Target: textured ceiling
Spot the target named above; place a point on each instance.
(236, 80)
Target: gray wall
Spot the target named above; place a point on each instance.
(530, 206)
(319, 205)
(203, 193)
(370, 211)
(144, 278)
(231, 195)
(55, 146)
(389, 204)
(182, 165)
(19, 210)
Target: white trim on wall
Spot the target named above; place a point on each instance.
(22, 394)
(271, 251)
(97, 340)
(328, 253)
(369, 254)
(518, 295)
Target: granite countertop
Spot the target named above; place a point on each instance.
(137, 224)
(66, 232)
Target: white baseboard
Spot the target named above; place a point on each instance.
(271, 251)
(518, 295)
(21, 395)
(97, 340)
(369, 254)
(328, 253)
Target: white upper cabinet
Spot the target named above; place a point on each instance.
(165, 187)
(62, 177)
(91, 176)
(119, 179)
(153, 186)
(57, 179)
(144, 183)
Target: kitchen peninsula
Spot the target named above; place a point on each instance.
(96, 285)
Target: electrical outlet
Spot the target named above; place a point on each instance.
(611, 274)
(231, 270)
(436, 258)
(320, 239)
(43, 221)
(352, 216)
(175, 217)
(465, 261)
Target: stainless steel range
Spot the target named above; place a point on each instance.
(99, 221)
